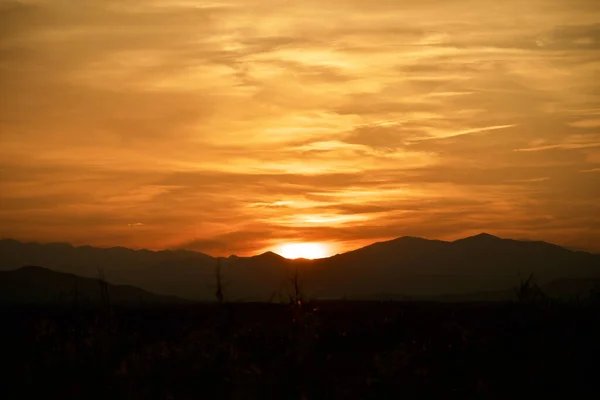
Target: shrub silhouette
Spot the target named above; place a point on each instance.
(295, 295)
(528, 292)
(219, 285)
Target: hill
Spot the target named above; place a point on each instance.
(36, 285)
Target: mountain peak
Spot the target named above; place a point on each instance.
(269, 254)
(480, 237)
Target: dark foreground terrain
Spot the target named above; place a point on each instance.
(333, 350)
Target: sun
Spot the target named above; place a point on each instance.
(302, 250)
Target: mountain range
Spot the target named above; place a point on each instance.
(481, 266)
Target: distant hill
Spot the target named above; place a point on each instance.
(406, 267)
(36, 285)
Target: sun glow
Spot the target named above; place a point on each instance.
(303, 250)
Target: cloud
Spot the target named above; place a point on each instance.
(586, 123)
(232, 126)
(569, 143)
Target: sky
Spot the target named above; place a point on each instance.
(235, 126)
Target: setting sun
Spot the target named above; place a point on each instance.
(303, 250)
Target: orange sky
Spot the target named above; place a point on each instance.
(234, 126)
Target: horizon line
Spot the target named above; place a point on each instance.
(273, 252)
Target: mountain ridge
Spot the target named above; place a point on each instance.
(409, 265)
(482, 235)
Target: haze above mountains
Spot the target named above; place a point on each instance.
(477, 267)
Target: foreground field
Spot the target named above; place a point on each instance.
(334, 350)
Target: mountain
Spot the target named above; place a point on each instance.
(483, 264)
(36, 285)
(187, 274)
(163, 272)
(418, 267)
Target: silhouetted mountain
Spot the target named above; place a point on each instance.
(482, 237)
(419, 267)
(36, 285)
(270, 255)
(406, 266)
